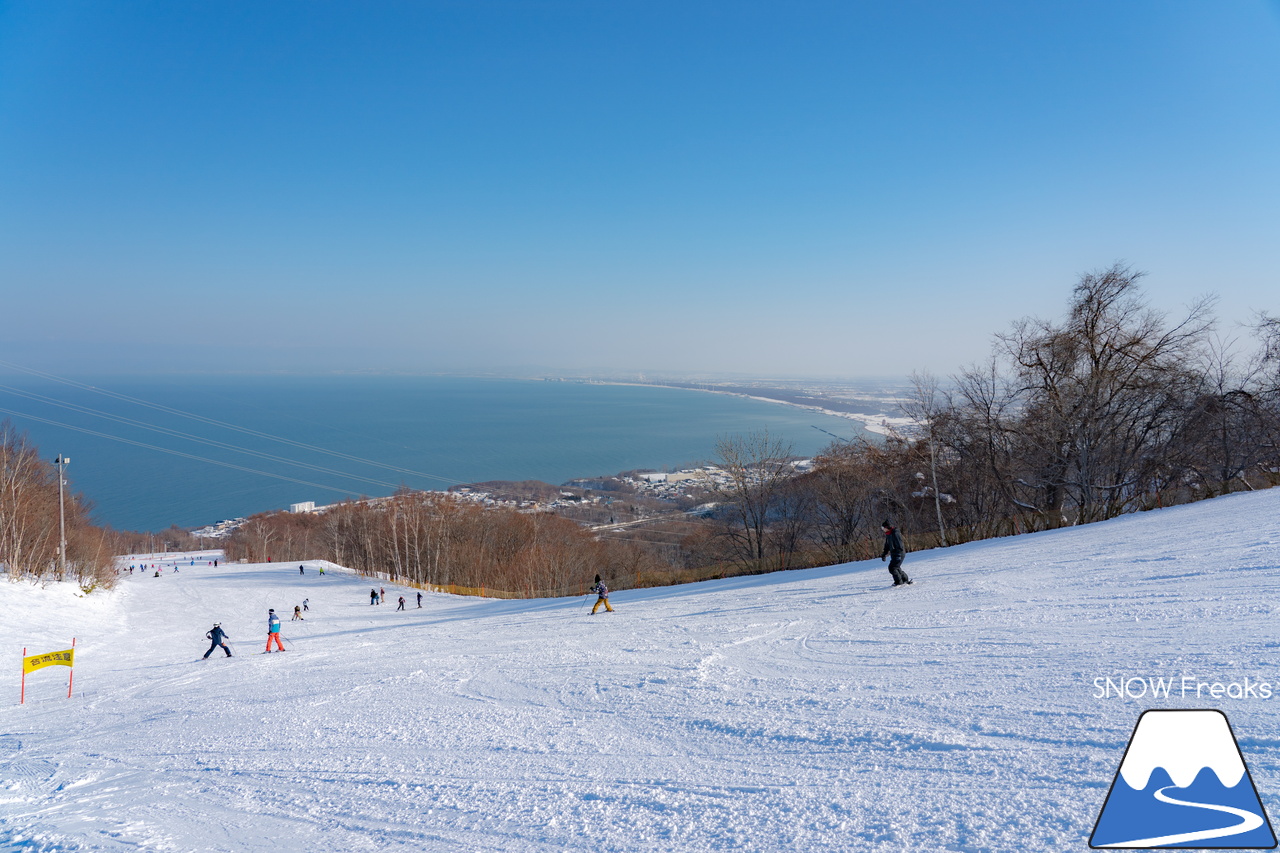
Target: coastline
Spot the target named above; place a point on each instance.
(401, 428)
(877, 424)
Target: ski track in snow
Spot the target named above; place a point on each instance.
(811, 710)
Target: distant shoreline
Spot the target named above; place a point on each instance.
(877, 424)
(433, 432)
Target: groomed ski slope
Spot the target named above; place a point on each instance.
(814, 710)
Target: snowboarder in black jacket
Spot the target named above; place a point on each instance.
(217, 635)
(894, 551)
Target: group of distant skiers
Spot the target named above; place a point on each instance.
(893, 551)
(217, 636)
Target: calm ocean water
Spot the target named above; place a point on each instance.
(445, 429)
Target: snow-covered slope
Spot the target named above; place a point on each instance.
(815, 710)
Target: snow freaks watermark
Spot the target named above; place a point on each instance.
(1182, 687)
(1183, 782)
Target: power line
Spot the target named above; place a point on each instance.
(174, 452)
(215, 422)
(270, 457)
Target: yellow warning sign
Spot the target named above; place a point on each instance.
(66, 657)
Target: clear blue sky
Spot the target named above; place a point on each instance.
(799, 188)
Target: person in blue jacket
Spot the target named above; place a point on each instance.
(217, 635)
(273, 631)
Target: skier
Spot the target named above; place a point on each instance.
(373, 596)
(217, 635)
(894, 552)
(297, 613)
(401, 607)
(305, 606)
(300, 571)
(273, 631)
(603, 592)
(419, 601)
(322, 571)
(383, 596)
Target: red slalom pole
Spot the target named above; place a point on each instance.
(71, 670)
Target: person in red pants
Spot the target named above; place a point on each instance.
(273, 631)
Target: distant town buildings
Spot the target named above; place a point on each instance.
(658, 493)
(219, 530)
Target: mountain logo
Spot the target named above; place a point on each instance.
(1183, 783)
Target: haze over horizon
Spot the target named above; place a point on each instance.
(823, 190)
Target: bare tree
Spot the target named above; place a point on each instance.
(843, 482)
(981, 429)
(28, 506)
(1102, 392)
(924, 405)
(429, 538)
(29, 519)
(757, 466)
(1222, 432)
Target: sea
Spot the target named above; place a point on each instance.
(153, 452)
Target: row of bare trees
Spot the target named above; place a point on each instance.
(1113, 409)
(1116, 409)
(29, 520)
(433, 539)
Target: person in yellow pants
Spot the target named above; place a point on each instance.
(273, 631)
(603, 591)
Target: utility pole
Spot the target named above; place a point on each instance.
(62, 462)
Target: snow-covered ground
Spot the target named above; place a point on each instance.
(815, 710)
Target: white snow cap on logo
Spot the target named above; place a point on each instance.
(1183, 743)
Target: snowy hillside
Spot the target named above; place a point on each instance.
(815, 710)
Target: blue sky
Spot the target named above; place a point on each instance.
(774, 189)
